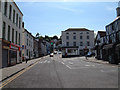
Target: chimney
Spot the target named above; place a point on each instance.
(118, 9)
(23, 24)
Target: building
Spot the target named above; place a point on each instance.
(100, 41)
(77, 41)
(112, 49)
(35, 47)
(10, 33)
(44, 47)
(27, 44)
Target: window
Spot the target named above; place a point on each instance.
(12, 35)
(81, 32)
(10, 11)
(19, 22)
(4, 28)
(67, 33)
(17, 19)
(74, 43)
(74, 37)
(74, 33)
(16, 37)
(13, 16)
(27, 42)
(0, 5)
(81, 43)
(87, 32)
(8, 33)
(87, 37)
(80, 37)
(88, 43)
(5, 8)
(67, 43)
(67, 37)
(19, 38)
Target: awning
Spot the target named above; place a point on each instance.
(118, 45)
(108, 46)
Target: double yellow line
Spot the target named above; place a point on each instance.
(15, 76)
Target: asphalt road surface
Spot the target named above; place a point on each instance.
(57, 72)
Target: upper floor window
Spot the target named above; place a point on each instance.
(12, 35)
(81, 43)
(74, 43)
(67, 37)
(16, 37)
(13, 16)
(10, 12)
(4, 30)
(74, 37)
(80, 37)
(87, 37)
(88, 43)
(67, 43)
(81, 32)
(17, 19)
(74, 33)
(19, 22)
(5, 8)
(67, 33)
(8, 33)
(87, 32)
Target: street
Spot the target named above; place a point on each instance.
(57, 72)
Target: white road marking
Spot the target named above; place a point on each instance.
(87, 65)
(68, 67)
(70, 63)
(45, 61)
(48, 61)
(62, 62)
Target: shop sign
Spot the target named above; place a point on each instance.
(6, 47)
(14, 47)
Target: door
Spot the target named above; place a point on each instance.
(5, 58)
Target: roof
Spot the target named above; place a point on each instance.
(17, 7)
(77, 29)
(117, 18)
(28, 32)
(102, 33)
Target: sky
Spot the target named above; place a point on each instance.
(50, 18)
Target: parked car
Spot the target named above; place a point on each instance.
(59, 52)
(51, 55)
(55, 52)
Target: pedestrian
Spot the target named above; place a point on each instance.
(26, 59)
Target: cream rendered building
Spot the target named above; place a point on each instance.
(10, 32)
(77, 41)
(27, 44)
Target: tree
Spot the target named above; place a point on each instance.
(55, 37)
(37, 36)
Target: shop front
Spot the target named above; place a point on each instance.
(109, 53)
(14, 54)
(5, 53)
(117, 50)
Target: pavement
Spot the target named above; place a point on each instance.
(12, 70)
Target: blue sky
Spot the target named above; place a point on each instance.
(50, 18)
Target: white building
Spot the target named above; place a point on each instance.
(77, 41)
(27, 44)
(10, 32)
